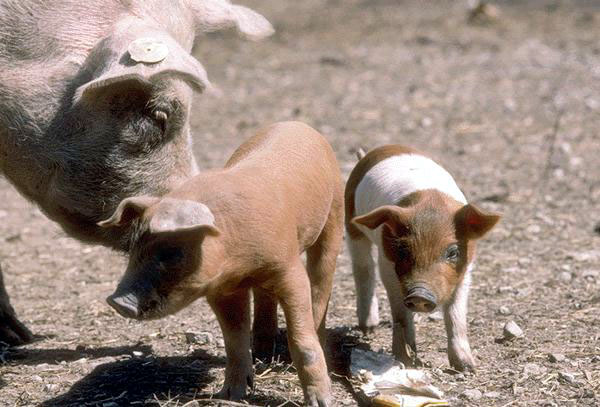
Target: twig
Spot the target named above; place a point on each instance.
(218, 403)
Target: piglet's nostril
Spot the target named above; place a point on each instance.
(420, 300)
(126, 305)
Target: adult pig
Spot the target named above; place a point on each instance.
(94, 105)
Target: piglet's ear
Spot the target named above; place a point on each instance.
(178, 215)
(128, 210)
(474, 222)
(213, 15)
(137, 52)
(393, 216)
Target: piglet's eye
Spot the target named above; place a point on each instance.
(452, 253)
(169, 255)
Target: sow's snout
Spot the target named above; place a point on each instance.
(420, 299)
(126, 304)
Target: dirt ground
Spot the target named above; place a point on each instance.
(511, 107)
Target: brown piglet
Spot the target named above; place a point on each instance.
(411, 208)
(224, 232)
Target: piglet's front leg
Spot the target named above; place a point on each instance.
(233, 313)
(455, 318)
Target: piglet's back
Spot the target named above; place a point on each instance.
(388, 174)
(286, 177)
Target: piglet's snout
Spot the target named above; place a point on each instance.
(125, 304)
(420, 299)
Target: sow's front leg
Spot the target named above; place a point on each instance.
(12, 331)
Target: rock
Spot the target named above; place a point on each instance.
(504, 310)
(567, 377)
(50, 387)
(565, 276)
(199, 338)
(137, 353)
(472, 394)
(220, 343)
(511, 330)
(556, 357)
(590, 274)
(492, 394)
(505, 289)
(533, 229)
(436, 316)
(533, 369)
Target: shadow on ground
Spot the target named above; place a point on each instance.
(133, 380)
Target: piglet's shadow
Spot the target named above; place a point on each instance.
(142, 379)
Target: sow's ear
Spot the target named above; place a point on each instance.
(138, 52)
(178, 215)
(128, 210)
(395, 217)
(213, 15)
(473, 222)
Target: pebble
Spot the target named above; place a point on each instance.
(590, 274)
(472, 394)
(199, 338)
(504, 310)
(220, 343)
(50, 387)
(533, 229)
(138, 354)
(567, 377)
(505, 289)
(436, 316)
(511, 330)
(533, 369)
(565, 276)
(492, 394)
(556, 357)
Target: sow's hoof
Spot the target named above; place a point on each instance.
(12, 331)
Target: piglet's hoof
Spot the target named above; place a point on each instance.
(236, 390)
(316, 398)
(12, 331)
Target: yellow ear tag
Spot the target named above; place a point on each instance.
(148, 50)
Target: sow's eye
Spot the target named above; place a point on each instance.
(169, 256)
(452, 253)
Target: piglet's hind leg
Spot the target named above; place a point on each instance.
(293, 291)
(365, 281)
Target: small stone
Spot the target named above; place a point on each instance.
(492, 394)
(556, 357)
(138, 354)
(50, 387)
(435, 316)
(533, 229)
(472, 394)
(533, 369)
(567, 377)
(590, 274)
(504, 289)
(511, 330)
(199, 338)
(565, 277)
(220, 343)
(426, 122)
(504, 310)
